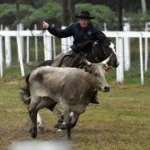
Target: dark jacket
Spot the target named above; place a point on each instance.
(90, 33)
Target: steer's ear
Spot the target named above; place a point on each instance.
(107, 68)
(87, 69)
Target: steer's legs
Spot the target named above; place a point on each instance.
(51, 107)
(40, 126)
(33, 116)
(54, 110)
(66, 115)
(73, 118)
(69, 131)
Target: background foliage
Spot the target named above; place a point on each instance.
(51, 12)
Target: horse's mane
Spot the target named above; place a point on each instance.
(98, 49)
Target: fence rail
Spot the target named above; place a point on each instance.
(122, 48)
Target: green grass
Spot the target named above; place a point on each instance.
(120, 122)
(130, 77)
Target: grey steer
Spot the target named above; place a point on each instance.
(70, 87)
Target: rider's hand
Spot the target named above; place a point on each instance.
(45, 25)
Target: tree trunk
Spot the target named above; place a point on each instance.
(119, 11)
(17, 12)
(143, 4)
(72, 10)
(65, 12)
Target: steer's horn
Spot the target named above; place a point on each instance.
(106, 60)
(87, 62)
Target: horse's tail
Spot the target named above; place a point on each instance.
(25, 93)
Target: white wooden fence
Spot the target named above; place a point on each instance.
(122, 49)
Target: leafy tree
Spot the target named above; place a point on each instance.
(52, 9)
(29, 15)
(50, 12)
(7, 1)
(8, 13)
(119, 14)
(72, 10)
(65, 12)
(34, 3)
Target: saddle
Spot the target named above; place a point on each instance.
(73, 59)
(70, 59)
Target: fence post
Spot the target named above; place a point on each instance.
(70, 42)
(47, 46)
(1, 27)
(119, 50)
(147, 28)
(2, 44)
(141, 59)
(146, 53)
(54, 47)
(21, 28)
(126, 48)
(36, 44)
(19, 44)
(64, 43)
(105, 26)
(1, 57)
(7, 49)
(28, 49)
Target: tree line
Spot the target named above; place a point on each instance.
(63, 11)
(128, 5)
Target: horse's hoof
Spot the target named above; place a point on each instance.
(59, 131)
(40, 129)
(57, 126)
(33, 133)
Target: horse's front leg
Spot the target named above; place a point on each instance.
(33, 116)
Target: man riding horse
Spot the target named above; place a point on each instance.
(82, 32)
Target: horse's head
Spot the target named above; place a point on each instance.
(105, 49)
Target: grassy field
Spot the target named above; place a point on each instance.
(120, 122)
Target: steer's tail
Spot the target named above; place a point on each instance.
(25, 92)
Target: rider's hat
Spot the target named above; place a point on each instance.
(84, 14)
